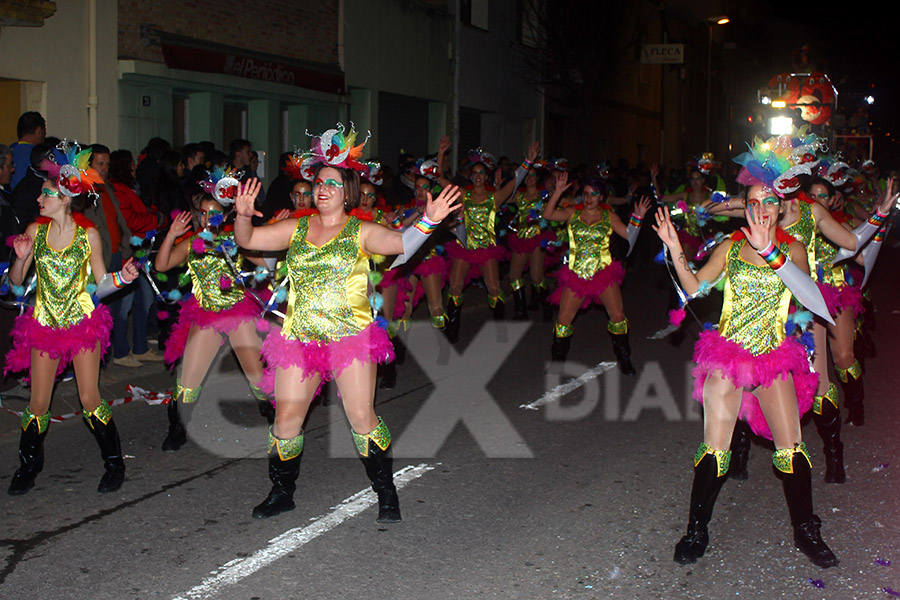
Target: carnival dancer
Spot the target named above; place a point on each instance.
(328, 331)
(480, 252)
(65, 325)
(691, 208)
(430, 270)
(806, 218)
(844, 300)
(749, 368)
(528, 245)
(219, 304)
(592, 276)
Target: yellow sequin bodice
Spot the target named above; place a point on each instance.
(480, 218)
(61, 298)
(804, 231)
(589, 245)
(328, 298)
(208, 270)
(827, 273)
(756, 303)
(524, 206)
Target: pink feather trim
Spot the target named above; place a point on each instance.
(430, 266)
(475, 257)
(521, 245)
(676, 316)
(842, 298)
(589, 289)
(223, 321)
(325, 359)
(62, 343)
(745, 370)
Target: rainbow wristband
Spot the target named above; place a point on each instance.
(879, 235)
(877, 219)
(773, 256)
(118, 281)
(635, 220)
(526, 164)
(425, 226)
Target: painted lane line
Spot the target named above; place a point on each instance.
(233, 572)
(564, 388)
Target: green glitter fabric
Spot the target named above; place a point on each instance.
(723, 458)
(286, 449)
(103, 413)
(380, 435)
(783, 458)
(42, 421)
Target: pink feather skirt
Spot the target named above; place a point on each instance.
(430, 266)
(716, 353)
(224, 321)
(326, 359)
(842, 298)
(528, 245)
(475, 257)
(57, 343)
(588, 289)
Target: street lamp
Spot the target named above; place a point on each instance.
(719, 20)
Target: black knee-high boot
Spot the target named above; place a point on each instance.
(31, 452)
(497, 305)
(264, 403)
(618, 332)
(284, 467)
(710, 467)
(827, 418)
(740, 451)
(562, 341)
(454, 314)
(101, 424)
(374, 450)
(794, 465)
(177, 434)
(520, 308)
(854, 394)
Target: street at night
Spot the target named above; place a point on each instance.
(583, 497)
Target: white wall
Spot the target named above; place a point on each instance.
(56, 58)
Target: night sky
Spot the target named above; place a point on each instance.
(856, 45)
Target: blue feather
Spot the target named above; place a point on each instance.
(661, 257)
(808, 341)
(802, 319)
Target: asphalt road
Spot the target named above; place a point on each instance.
(582, 496)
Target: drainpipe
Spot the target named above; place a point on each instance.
(454, 109)
(92, 71)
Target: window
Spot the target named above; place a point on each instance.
(474, 13)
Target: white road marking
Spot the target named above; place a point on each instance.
(289, 541)
(564, 388)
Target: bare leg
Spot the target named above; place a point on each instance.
(199, 353)
(246, 345)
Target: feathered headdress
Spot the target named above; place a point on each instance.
(603, 170)
(335, 148)
(777, 162)
(559, 164)
(478, 155)
(70, 167)
(835, 171)
(301, 166)
(428, 168)
(706, 163)
(222, 184)
(372, 173)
